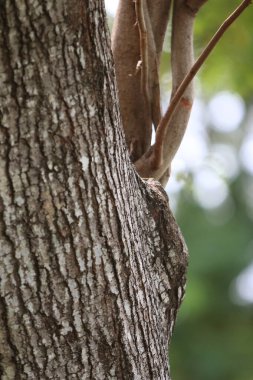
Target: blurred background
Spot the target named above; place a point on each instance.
(211, 193)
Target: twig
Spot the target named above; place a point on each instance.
(162, 127)
(140, 18)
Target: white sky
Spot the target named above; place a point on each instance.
(111, 6)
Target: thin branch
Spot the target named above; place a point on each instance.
(181, 62)
(140, 18)
(162, 128)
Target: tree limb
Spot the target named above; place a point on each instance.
(139, 109)
(158, 11)
(154, 164)
(170, 133)
(161, 131)
(141, 22)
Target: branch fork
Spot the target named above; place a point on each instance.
(154, 161)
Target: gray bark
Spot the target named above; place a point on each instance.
(92, 263)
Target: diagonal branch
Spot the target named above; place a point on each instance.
(181, 63)
(156, 161)
(161, 130)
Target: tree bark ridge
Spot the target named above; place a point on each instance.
(92, 263)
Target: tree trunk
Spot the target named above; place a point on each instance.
(92, 263)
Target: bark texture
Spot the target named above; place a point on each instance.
(92, 263)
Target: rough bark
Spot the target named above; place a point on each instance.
(92, 263)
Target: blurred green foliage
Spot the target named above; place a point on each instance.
(213, 337)
(230, 64)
